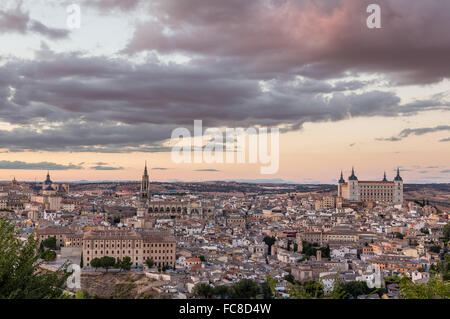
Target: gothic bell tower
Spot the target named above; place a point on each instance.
(144, 193)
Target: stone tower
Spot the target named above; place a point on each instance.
(353, 189)
(398, 189)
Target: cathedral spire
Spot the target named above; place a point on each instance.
(384, 178)
(398, 177)
(144, 183)
(341, 180)
(353, 176)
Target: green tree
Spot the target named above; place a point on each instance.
(126, 263)
(81, 260)
(289, 278)
(266, 291)
(150, 263)
(338, 292)
(165, 267)
(435, 288)
(222, 291)
(107, 262)
(446, 232)
(50, 243)
(41, 247)
(202, 258)
(96, 263)
(48, 255)
(202, 290)
(356, 288)
(435, 249)
(399, 235)
(272, 283)
(245, 289)
(20, 274)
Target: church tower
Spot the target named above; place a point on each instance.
(341, 182)
(398, 188)
(144, 194)
(353, 189)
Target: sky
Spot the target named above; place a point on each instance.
(96, 102)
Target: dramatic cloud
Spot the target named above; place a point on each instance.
(76, 103)
(318, 39)
(260, 62)
(37, 166)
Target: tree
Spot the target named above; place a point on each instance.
(356, 288)
(202, 258)
(446, 232)
(107, 262)
(48, 255)
(50, 243)
(289, 278)
(221, 291)
(272, 283)
(126, 263)
(41, 247)
(202, 290)
(435, 249)
(338, 292)
(150, 263)
(20, 274)
(245, 289)
(314, 288)
(81, 260)
(398, 235)
(435, 288)
(96, 263)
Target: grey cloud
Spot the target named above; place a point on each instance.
(124, 5)
(160, 168)
(206, 170)
(106, 168)
(110, 105)
(16, 20)
(37, 166)
(416, 131)
(249, 34)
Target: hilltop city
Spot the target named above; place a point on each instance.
(145, 240)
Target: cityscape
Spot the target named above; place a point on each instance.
(357, 239)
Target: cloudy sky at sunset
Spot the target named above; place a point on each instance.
(96, 102)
